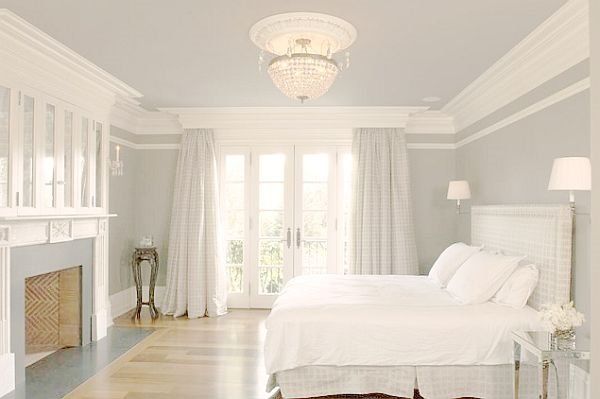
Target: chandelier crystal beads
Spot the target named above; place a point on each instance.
(304, 45)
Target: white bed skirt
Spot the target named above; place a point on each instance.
(433, 382)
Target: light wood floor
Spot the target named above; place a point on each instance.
(201, 358)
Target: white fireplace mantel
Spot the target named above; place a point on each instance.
(36, 230)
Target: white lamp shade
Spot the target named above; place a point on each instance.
(571, 173)
(458, 190)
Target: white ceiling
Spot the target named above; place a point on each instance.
(197, 52)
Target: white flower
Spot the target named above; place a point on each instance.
(558, 317)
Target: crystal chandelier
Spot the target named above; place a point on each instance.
(304, 45)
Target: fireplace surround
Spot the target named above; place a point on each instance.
(78, 240)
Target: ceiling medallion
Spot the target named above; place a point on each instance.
(304, 45)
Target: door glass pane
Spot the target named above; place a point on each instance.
(271, 196)
(234, 195)
(315, 199)
(315, 167)
(270, 280)
(346, 199)
(272, 167)
(314, 224)
(28, 143)
(314, 256)
(235, 262)
(234, 168)
(234, 224)
(83, 162)
(271, 224)
(235, 216)
(270, 265)
(99, 165)
(315, 196)
(270, 219)
(4, 144)
(48, 161)
(68, 160)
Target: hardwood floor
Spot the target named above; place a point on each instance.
(201, 359)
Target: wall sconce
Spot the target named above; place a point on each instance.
(458, 190)
(116, 166)
(571, 174)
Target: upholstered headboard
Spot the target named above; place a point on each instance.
(543, 233)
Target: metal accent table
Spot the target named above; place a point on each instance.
(540, 345)
(150, 255)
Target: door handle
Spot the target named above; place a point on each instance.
(298, 238)
(288, 238)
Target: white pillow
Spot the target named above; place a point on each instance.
(481, 276)
(449, 261)
(515, 292)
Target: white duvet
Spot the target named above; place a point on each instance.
(385, 321)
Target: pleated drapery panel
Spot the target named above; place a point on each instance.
(382, 234)
(196, 280)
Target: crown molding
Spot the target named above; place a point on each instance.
(137, 146)
(33, 58)
(298, 117)
(556, 45)
(532, 109)
(431, 146)
(430, 122)
(128, 115)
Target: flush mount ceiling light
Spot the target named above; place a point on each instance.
(304, 45)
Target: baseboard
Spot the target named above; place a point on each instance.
(7, 373)
(123, 301)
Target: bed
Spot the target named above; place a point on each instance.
(330, 335)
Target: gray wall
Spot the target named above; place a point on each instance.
(41, 259)
(122, 233)
(513, 164)
(142, 200)
(434, 216)
(155, 181)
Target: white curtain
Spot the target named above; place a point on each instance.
(382, 235)
(196, 282)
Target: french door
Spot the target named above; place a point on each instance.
(284, 210)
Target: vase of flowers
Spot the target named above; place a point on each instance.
(561, 321)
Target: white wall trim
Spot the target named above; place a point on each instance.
(556, 45)
(31, 57)
(431, 146)
(125, 300)
(129, 115)
(298, 117)
(430, 122)
(536, 107)
(122, 302)
(136, 146)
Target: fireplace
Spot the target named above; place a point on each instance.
(32, 246)
(53, 304)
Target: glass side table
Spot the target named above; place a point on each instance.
(540, 345)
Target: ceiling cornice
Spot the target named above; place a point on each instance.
(430, 122)
(127, 114)
(298, 117)
(34, 58)
(556, 45)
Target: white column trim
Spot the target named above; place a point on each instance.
(7, 358)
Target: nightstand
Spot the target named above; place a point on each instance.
(538, 344)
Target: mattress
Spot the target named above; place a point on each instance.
(385, 321)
